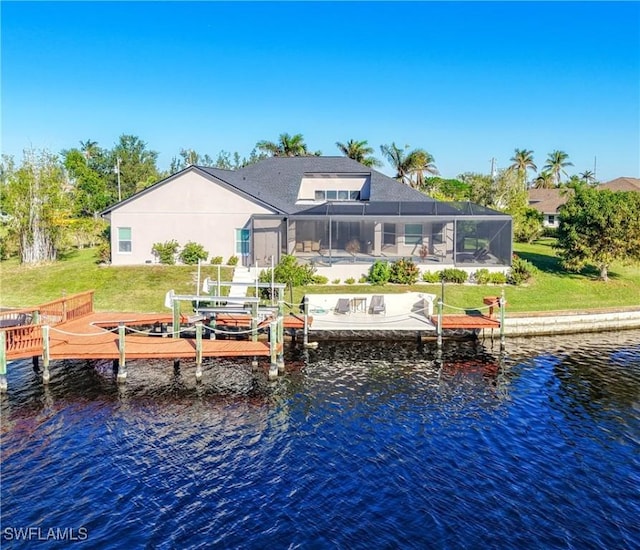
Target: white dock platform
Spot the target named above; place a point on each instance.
(409, 311)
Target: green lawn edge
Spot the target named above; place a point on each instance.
(142, 288)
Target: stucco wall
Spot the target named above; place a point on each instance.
(187, 208)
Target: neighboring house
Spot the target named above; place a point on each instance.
(322, 210)
(622, 184)
(547, 202)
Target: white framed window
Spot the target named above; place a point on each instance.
(552, 219)
(336, 195)
(124, 240)
(413, 233)
(243, 237)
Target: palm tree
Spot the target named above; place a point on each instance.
(89, 149)
(359, 151)
(522, 161)
(414, 163)
(588, 177)
(287, 146)
(544, 180)
(556, 164)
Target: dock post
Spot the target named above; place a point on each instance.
(198, 351)
(35, 319)
(3, 362)
(502, 303)
(176, 319)
(305, 334)
(439, 328)
(254, 322)
(46, 357)
(273, 367)
(280, 338)
(122, 365)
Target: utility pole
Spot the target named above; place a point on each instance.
(118, 161)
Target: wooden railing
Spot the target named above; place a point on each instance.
(23, 341)
(23, 327)
(66, 309)
(17, 317)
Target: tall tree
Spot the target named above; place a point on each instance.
(137, 165)
(544, 180)
(522, 161)
(599, 227)
(410, 166)
(34, 198)
(286, 146)
(90, 185)
(556, 164)
(588, 177)
(359, 151)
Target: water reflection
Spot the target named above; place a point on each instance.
(360, 444)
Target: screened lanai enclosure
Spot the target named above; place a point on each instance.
(449, 233)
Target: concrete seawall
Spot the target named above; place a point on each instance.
(563, 322)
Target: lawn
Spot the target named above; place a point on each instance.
(142, 288)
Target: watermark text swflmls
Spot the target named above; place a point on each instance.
(71, 534)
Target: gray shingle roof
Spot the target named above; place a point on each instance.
(276, 180)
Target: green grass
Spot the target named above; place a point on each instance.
(135, 288)
(142, 288)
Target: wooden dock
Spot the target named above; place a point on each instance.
(69, 329)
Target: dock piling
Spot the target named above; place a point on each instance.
(439, 327)
(122, 364)
(280, 337)
(3, 362)
(46, 376)
(305, 334)
(273, 367)
(198, 351)
(502, 303)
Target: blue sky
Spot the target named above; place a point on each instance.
(465, 81)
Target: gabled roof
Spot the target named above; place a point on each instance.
(276, 180)
(622, 184)
(274, 183)
(548, 201)
(218, 175)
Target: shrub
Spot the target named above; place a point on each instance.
(521, 271)
(192, 252)
(498, 278)
(289, 272)
(349, 281)
(103, 252)
(379, 273)
(335, 282)
(216, 260)
(320, 280)
(233, 260)
(432, 276)
(166, 252)
(404, 272)
(362, 279)
(483, 276)
(454, 275)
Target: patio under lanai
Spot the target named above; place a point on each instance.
(444, 233)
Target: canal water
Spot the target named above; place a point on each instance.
(366, 444)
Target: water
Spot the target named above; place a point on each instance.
(359, 445)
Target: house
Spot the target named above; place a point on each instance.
(547, 202)
(622, 184)
(323, 210)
